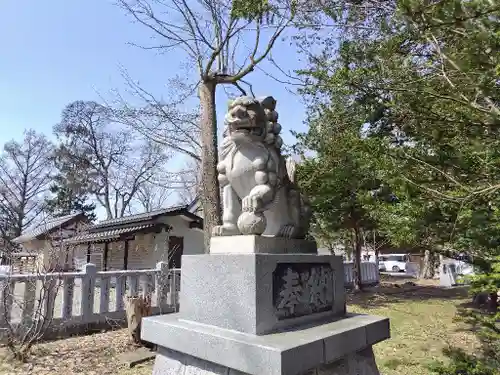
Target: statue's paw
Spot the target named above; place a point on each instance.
(225, 230)
(251, 203)
(287, 231)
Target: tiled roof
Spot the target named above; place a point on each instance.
(18, 254)
(193, 204)
(138, 217)
(105, 235)
(46, 227)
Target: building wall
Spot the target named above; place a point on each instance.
(140, 252)
(36, 246)
(145, 250)
(159, 248)
(78, 253)
(51, 254)
(115, 255)
(23, 264)
(32, 246)
(193, 238)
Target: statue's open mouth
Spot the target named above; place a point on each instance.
(249, 130)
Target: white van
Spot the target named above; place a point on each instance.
(393, 262)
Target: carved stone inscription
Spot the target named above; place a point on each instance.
(302, 288)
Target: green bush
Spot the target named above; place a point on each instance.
(486, 324)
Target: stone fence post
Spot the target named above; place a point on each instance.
(88, 287)
(162, 284)
(6, 300)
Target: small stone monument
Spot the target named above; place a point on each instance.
(263, 302)
(448, 273)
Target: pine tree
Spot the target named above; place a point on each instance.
(423, 76)
(69, 199)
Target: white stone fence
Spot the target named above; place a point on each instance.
(412, 269)
(370, 275)
(4, 270)
(73, 302)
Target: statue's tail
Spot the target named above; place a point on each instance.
(291, 169)
(301, 207)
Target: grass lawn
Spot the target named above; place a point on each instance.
(421, 326)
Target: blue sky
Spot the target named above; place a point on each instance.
(58, 51)
(54, 52)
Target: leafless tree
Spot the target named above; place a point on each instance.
(162, 121)
(152, 197)
(225, 40)
(190, 182)
(115, 161)
(19, 336)
(25, 170)
(27, 308)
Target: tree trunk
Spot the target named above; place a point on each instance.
(428, 266)
(136, 308)
(357, 259)
(348, 249)
(209, 158)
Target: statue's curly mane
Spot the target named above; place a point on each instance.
(258, 184)
(237, 116)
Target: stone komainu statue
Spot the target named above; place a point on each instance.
(259, 193)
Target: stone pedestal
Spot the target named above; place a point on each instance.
(264, 314)
(241, 292)
(251, 244)
(171, 362)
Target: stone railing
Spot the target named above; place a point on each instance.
(412, 269)
(4, 270)
(74, 301)
(370, 275)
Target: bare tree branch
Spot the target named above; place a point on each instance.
(25, 170)
(116, 162)
(161, 122)
(209, 31)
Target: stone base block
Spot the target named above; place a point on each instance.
(341, 347)
(261, 293)
(169, 362)
(251, 244)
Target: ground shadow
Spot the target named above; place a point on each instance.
(400, 293)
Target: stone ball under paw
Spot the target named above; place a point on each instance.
(252, 223)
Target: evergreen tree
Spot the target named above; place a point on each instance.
(341, 183)
(67, 201)
(70, 188)
(422, 77)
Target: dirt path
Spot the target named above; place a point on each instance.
(90, 355)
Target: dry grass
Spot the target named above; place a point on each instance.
(94, 354)
(422, 324)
